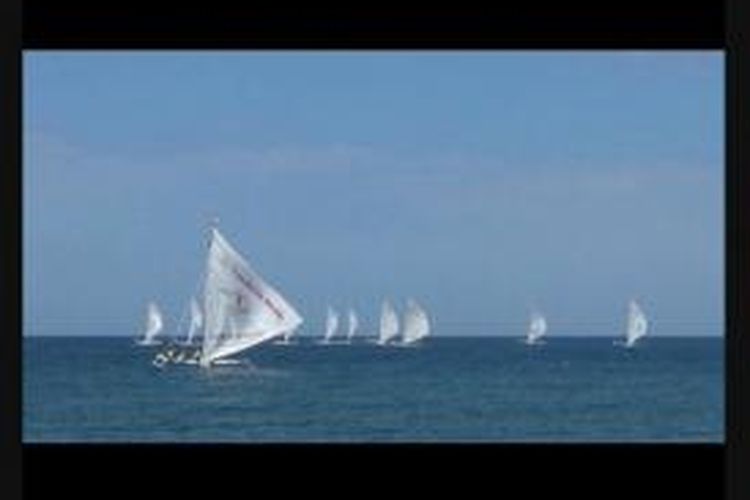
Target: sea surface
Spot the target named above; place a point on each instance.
(496, 389)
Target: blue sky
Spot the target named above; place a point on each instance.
(481, 183)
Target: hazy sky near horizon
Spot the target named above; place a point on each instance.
(483, 184)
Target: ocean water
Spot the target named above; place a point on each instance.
(449, 389)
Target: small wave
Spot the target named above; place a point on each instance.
(246, 367)
(266, 372)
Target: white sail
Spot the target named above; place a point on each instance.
(240, 309)
(637, 324)
(416, 323)
(196, 320)
(388, 323)
(332, 324)
(154, 324)
(353, 324)
(537, 328)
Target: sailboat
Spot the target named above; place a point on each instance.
(353, 324)
(154, 325)
(240, 310)
(196, 321)
(388, 324)
(332, 324)
(537, 329)
(637, 325)
(416, 323)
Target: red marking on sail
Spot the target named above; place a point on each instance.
(257, 293)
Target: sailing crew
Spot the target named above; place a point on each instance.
(179, 357)
(160, 360)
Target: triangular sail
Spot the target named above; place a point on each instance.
(537, 328)
(637, 323)
(196, 320)
(353, 324)
(416, 323)
(388, 323)
(154, 323)
(332, 324)
(240, 309)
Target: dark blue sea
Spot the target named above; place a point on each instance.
(78, 389)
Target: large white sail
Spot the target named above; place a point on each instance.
(637, 324)
(537, 329)
(416, 323)
(154, 324)
(240, 309)
(332, 324)
(388, 323)
(196, 320)
(353, 324)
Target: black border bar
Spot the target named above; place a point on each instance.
(10, 272)
(737, 242)
(691, 24)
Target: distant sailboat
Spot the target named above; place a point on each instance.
(154, 325)
(196, 321)
(416, 323)
(388, 324)
(637, 324)
(353, 325)
(537, 329)
(332, 324)
(240, 310)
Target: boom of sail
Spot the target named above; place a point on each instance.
(416, 323)
(240, 309)
(388, 323)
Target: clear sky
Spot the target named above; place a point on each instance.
(480, 183)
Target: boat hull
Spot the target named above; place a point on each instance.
(226, 362)
(533, 342)
(626, 345)
(146, 343)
